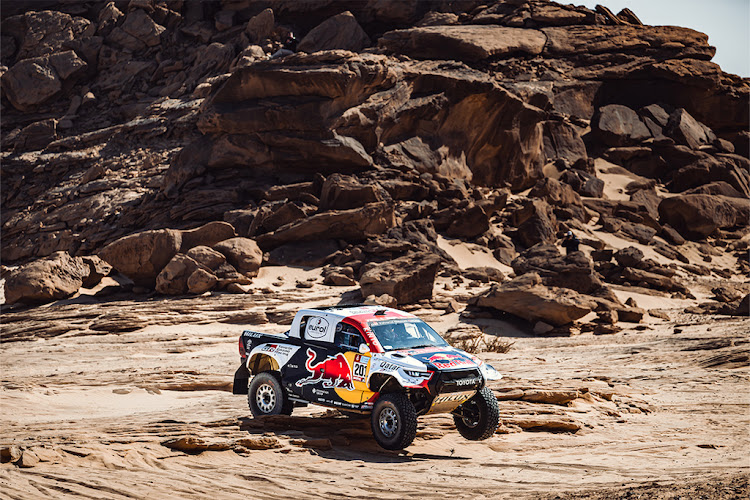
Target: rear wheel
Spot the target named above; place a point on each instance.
(394, 421)
(266, 396)
(478, 418)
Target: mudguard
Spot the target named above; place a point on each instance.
(280, 353)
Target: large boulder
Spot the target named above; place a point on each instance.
(52, 278)
(355, 224)
(242, 253)
(535, 222)
(562, 196)
(142, 256)
(206, 256)
(699, 215)
(341, 192)
(206, 235)
(138, 32)
(407, 279)
(583, 183)
(463, 43)
(174, 278)
(574, 271)
(619, 125)
(341, 31)
(38, 33)
(653, 280)
(468, 222)
(34, 81)
(563, 141)
(260, 26)
(685, 129)
(526, 297)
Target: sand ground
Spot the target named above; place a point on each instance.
(658, 405)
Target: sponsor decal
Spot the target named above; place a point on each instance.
(450, 398)
(332, 372)
(359, 369)
(384, 365)
(467, 381)
(316, 328)
(280, 349)
(443, 360)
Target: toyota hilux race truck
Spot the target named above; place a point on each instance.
(367, 360)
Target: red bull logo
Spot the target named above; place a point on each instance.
(333, 372)
(447, 360)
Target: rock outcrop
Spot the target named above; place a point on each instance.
(406, 279)
(55, 277)
(527, 298)
(165, 138)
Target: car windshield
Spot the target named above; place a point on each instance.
(394, 334)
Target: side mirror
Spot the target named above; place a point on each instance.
(363, 349)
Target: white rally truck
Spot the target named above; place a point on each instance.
(367, 360)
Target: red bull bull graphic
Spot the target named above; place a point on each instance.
(333, 372)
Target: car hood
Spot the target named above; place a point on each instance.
(442, 358)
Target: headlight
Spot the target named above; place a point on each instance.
(417, 374)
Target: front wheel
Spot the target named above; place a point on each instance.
(266, 396)
(394, 421)
(478, 418)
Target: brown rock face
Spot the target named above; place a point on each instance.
(598, 39)
(52, 278)
(463, 43)
(699, 215)
(341, 31)
(142, 256)
(527, 298)
(407, 279)
(355, 224)
(333, 110)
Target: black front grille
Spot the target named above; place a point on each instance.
(459, 380)
(459, 374)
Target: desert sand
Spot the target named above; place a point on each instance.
(660, 405)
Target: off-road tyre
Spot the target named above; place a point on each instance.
(479, 417)
(394, 421)
(266, 396)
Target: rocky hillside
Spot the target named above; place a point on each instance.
(163, 144)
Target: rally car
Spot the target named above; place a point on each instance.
(367, 360)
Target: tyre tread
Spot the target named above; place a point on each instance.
(480, 433)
